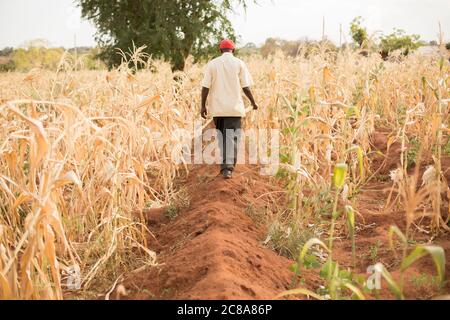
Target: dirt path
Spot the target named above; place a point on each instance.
(213, 249)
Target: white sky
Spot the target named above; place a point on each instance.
(58, 20)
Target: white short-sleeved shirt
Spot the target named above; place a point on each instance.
(225, 77)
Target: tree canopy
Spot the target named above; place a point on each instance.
(171, 29)
(358, 32)
(399, 40)
(396, 40)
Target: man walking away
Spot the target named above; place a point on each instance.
(224, 78)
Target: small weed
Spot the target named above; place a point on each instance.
(412, 152)
(256, 214)
(373, 253)
(287, 236)
(172, 212)
(321, 203)
(424, 280)
(180, 201)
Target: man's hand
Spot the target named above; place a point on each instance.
(204, 112)
(249, 95)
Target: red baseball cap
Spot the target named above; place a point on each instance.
(227, 44)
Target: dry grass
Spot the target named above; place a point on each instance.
(81, 151)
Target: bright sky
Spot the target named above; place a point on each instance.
(59, 21)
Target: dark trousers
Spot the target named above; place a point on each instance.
(229, 127)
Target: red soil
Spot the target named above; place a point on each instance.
(375, 220)
(213, 249)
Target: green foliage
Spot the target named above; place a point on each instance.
(412, 153)
(36, 57)
(305, 260)
(6, 62)
(172, 212)
(179, 202)
(351, 229)
(446, 148)
(340, 283)
(320, 202)
(90, 61)
(358, 32)
(339, 175)
(170, 29)
(395, 288)
(374, 250)
(298, 291)
(310, 243)
(6, 52)
(448, 46)
(287, 235)
(399, 40)
(424, 280)
(29, 57)
(436, 253)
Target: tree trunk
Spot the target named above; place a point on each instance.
(178, 65)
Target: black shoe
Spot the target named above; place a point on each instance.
(227, 174)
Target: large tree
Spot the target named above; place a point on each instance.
(171, 29)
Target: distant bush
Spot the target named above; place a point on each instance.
(27, 58)
(295, 48)
(399, 40)
(6, 52)
(6, 64)
(248, 50)
(90, 60)
(448, 46)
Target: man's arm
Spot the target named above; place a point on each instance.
(204, 112)
(249, 95)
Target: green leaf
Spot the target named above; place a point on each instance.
(294, 268)
(302, 291)
(359, 153)
(327, 269)
(352, 111)
(311, 262)
(395, 288)
(394, 230)
(351, 227)
(345, 274)
(350, 218)
(358, 294)
(437, 253)
(307, 246)
(339, 175)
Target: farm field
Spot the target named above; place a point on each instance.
(90, 185)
